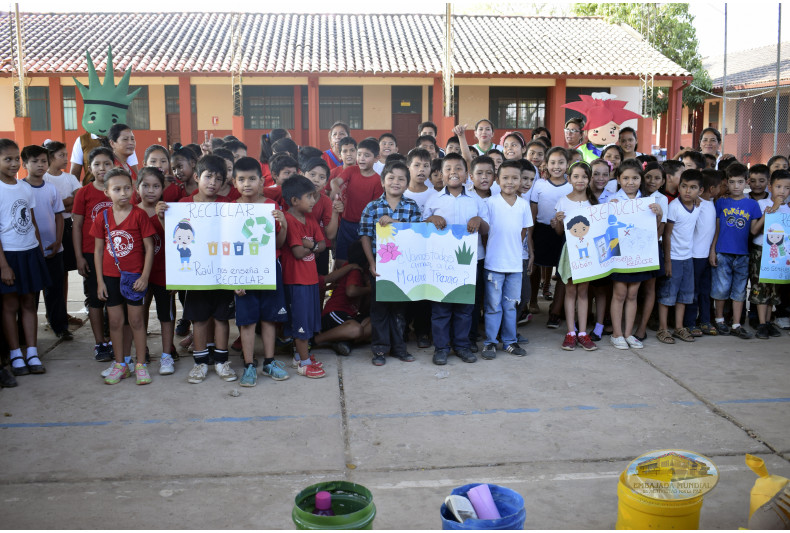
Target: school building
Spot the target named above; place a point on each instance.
(751, 104)
(302, 72)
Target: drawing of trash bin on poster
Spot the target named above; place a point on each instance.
(775, 263)
(611, 237)
(416, 261)
(219, 246)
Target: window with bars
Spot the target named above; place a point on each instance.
(517, 107)
(70, 119)
(172, 99)
(37, 107)
(268, 106)
(138, 117)
(340, 103)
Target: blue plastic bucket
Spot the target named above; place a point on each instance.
(509, 503)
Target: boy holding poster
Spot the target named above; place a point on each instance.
(387, 321)
(510, 218)
(454, 206)
(764, 295)
(256, 306)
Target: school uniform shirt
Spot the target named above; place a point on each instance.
(339, 301)
(275, 194)
(17, 232)
(48, 204)
(545, 195)
(704, 230)
(458, 210)
(174, 192)
(621, 196)
(89, 202)
(504, 235)
(611, 186)
(735, 218)
(127, 239)
(266, 174)
(300, 271)
(757, 240)
(191, 197)
(682, 238)
(157, 276)
(661, 200)
(358, 191)
(331, 159)
(378, 167)
(495, 188)
(322, 213)
(605, 195)
(233, 195)
(66, 184)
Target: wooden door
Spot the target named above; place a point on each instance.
(173, 129)
(404, 128)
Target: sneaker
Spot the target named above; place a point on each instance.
(275, 370)
(473, 347)
(489, 351)
(423, 341)
(182, 327)
(782, 322)
(586, 342)
(166, 366)
(103, 353)
(569, 343)
(741, 332)
(117, 373)
(722, 328)
(250, 377)
(554, 322)
(773, 331)
(523, 319)
(106, 371)
(515, 349)
(466, 355)
(342, 348)
(633, 342)
(762, 332)
(708, 329)
(224, 371)
(379, 359)
(198, 373)
(7, 379)
(311, 371)
(406, 357)
(295, 362)
(236, 346)
(142, 375)
(440, 357)
(619, 342)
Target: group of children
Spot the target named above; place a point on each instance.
(513, 195)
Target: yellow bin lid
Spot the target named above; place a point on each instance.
(671, 475)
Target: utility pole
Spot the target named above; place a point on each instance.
(21, 85)
(724, 88)
(778, 64)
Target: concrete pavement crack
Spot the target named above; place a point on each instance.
(344, 418)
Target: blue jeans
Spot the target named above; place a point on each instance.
(503, 291)
(701, 304)
(451, 318)
(730, 277)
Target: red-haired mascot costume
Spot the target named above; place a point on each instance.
(603, 116)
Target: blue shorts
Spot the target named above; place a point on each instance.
(680, 287)
(305, 304)
(730, 277)
(259, 305)
(347, 232)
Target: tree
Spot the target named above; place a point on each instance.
(670, 30)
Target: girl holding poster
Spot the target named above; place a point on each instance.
(578, 248)
(626, 284)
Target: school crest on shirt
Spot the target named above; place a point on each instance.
(311, 256)
(122, 242)
(20, 215)
(157, 243)
(98, 208)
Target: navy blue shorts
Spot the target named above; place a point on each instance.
(199, 306)
(347, 232)
(305, 304)
(259, 305)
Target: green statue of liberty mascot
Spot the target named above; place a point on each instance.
(105, 104)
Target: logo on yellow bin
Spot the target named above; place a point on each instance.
(671, 475)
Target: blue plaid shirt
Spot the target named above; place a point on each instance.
(407, 211)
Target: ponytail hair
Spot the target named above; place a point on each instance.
(268, 140)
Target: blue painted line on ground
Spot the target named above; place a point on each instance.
(417, 414)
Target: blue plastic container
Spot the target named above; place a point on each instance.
(509, 503)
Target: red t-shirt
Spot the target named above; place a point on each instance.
(191, 198)
(266, 173)
(158, 270)
(300, 271)
(89, 202)
(331, 159)
(322, 213)
(127, 239)
(233, 195)
(275, 193)
(358, 191)
(174, 192)
(335, 172)
(339, 301)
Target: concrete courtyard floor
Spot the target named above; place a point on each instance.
(558, 427)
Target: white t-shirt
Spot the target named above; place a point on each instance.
(420, 197)
(66, 184)
(495, 188)
(378, 166)
(505, 247)
(704, 229)
(682, 240)
(458, 210)
(77, 158)
(48, 204)
(17, 232)
(662, 201)
(546, 195)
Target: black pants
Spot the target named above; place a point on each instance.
(386, 324)
(53, 295)
(419, 315)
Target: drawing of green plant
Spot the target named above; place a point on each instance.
(464, 255)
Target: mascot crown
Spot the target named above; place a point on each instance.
(108, 93)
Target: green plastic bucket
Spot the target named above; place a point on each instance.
(352, 504)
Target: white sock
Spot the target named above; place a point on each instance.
(32, 356)
(17, 363)
(736, 326)
(572, 333)
(582, 333)
(720, 320)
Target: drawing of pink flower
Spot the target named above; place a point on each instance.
(388, 252)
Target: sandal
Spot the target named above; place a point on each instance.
(708, 329)
(665, 336)
(695, 332)
(19, 371)
(683, 334)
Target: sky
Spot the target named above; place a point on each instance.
(750, 23)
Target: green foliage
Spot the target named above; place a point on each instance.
(464, 255)
(671, 32)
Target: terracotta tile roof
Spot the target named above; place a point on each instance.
(749, 67)
(304, 43)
